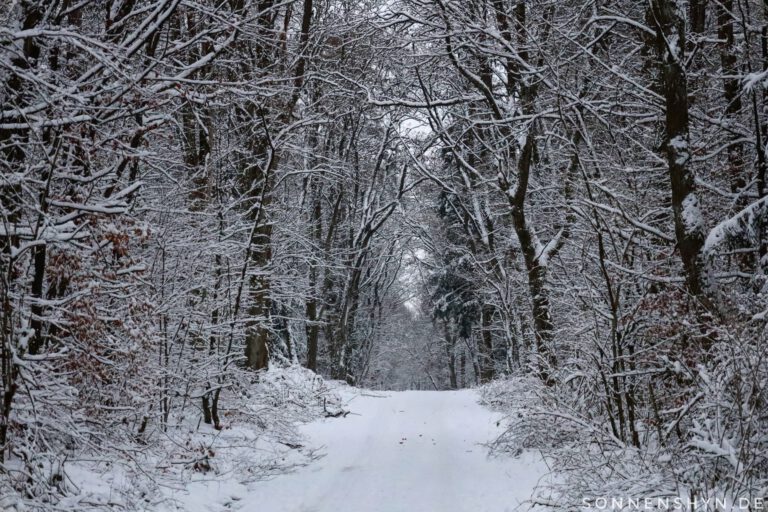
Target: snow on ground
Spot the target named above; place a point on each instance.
(411, 451)
(193, 467)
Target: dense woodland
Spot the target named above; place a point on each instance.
(566, 198)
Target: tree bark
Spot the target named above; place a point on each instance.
(313, 328)
(670, 45)
(698, 15)
(487, 361)
(537, 273)
(260, 304)
(731, 94)
(450, 352)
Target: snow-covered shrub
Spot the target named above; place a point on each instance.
(702, 430)
(258, 438)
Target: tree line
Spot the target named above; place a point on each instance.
(571, 192)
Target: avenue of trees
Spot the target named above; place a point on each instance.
(567, 194)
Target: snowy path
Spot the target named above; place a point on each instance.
(413, 451)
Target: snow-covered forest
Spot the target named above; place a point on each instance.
(214, 212)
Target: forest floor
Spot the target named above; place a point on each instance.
(411, 451)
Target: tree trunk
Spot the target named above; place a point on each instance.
(670, 45)
(257, 333)
(732, 96)
(543, 327)
(698, 15)
(312, 328)
(487, 360)
(450, 352)
(260, 304)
